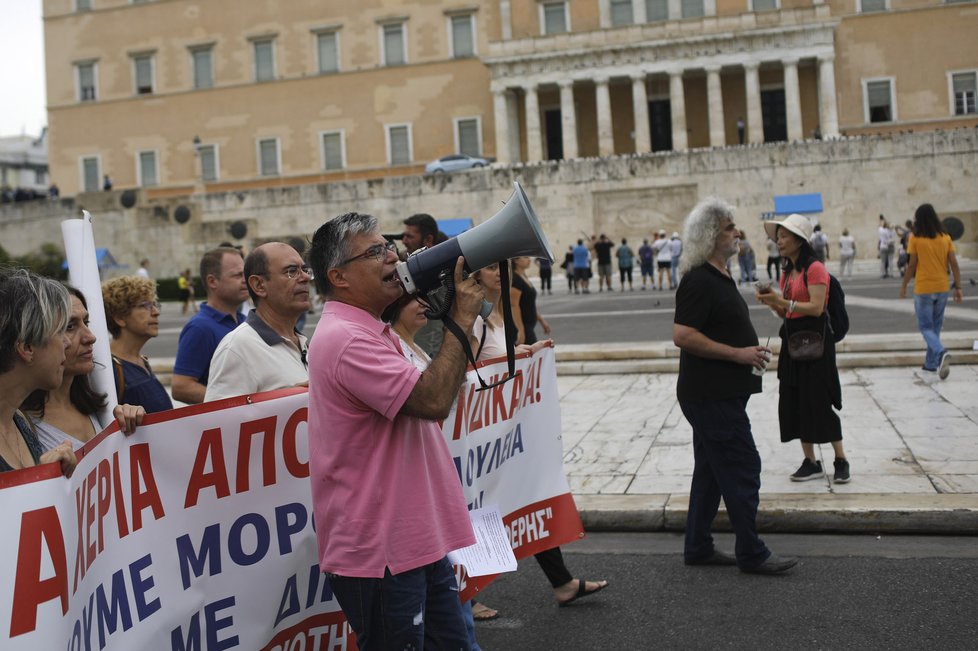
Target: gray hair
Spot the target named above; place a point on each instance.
(32, 310)
(331, 245)
(700, 231)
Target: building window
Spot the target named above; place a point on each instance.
(468, 136)
(621, 13)
(146, 168)
(328, 51)
(692, 8)
(142, 66)
(392, 43)
(39, 177)
(268, 157)
(85, 78)
(964, 87)
(553, 18)
(208, 162)
(203, 62)
(866, 6)
(463, 35)
(764, 5)
(399, 144)
(264, 50)
(83, 5)
(879, 100)
(656, 10)
(334, 157)
(90, 174)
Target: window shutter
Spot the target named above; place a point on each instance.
(147, 169)
(86, 82)
(462, 40)
(621, 12)
(468, 137)
(554, 18)
(144, 75)
(264, 64)
(333, 151)
(269, 157)
(657, 10)
(400, 147)
(90, 173)
(208, 163)
(203, 70)
(394, 44)
(328, 55)
(692, 8)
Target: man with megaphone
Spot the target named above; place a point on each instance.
(387, 501)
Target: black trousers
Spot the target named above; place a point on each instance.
(552, 563)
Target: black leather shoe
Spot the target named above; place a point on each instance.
(716, 558)
(772, 565)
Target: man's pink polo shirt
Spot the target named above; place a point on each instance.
(385, 491)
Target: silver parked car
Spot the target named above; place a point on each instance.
(454, 163)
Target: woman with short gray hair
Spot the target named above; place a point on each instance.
(34, 313)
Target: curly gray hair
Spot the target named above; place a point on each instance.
(700, 231)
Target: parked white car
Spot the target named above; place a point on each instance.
(454, 163)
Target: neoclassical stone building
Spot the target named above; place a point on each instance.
(190, 96)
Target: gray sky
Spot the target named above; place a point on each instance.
(22, 68)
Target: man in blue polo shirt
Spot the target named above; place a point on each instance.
(222, 273)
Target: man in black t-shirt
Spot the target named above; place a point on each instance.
(719, 349)
(602, 248)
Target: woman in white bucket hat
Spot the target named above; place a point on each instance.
(809, 389)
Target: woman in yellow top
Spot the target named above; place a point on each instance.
(931, 253)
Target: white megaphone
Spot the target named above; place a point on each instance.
(512, 232)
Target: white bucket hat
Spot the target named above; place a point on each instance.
(794, 223)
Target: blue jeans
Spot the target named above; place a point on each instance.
(417, 609)
(930, 320)
(727, 465)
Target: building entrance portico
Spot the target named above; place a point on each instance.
(666, 95)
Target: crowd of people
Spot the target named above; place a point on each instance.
(662, 254)
(386, 495)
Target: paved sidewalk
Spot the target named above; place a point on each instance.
(912, 441)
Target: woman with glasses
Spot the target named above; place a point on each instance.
(132, 314)
(34, 313)
(70, 412)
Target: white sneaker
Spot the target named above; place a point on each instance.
(944, 368)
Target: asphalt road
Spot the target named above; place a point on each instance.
(873, 304)
(846, 592)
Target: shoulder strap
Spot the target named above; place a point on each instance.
(120, 379)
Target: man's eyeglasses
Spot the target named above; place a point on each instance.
(293, 270)
(149, 305)
(377, 252)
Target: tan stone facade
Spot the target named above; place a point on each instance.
(185, 96)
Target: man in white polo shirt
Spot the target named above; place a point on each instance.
(266, 352)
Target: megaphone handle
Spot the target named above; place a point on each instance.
(486, 309)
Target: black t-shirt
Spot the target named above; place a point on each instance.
(710, 302)
(528, 308)
(603, 249)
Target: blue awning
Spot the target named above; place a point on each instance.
(452, 227)
(800, 203)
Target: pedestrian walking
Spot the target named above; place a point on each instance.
(931, 254)
(719, 350)
(847, 253)
(676, 248)
(773, 260)
(809, 384)
(820, 244)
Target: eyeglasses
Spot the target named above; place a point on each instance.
(293, 270)
(149, 305)
(377, 252)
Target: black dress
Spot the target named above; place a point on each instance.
(528, 308)
(809, 390)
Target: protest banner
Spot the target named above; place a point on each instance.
(196, 532)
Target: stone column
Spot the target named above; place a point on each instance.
(792, 99)
(606, 137)
(639, 16)
(513, 113)
(501, 116)
(534, 143)
(677, 105)
(640, 108)
(568, 119)
(675, 9)
(714, 101)
(752, 89)
(827, 115)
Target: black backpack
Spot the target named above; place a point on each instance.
(838, 317)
